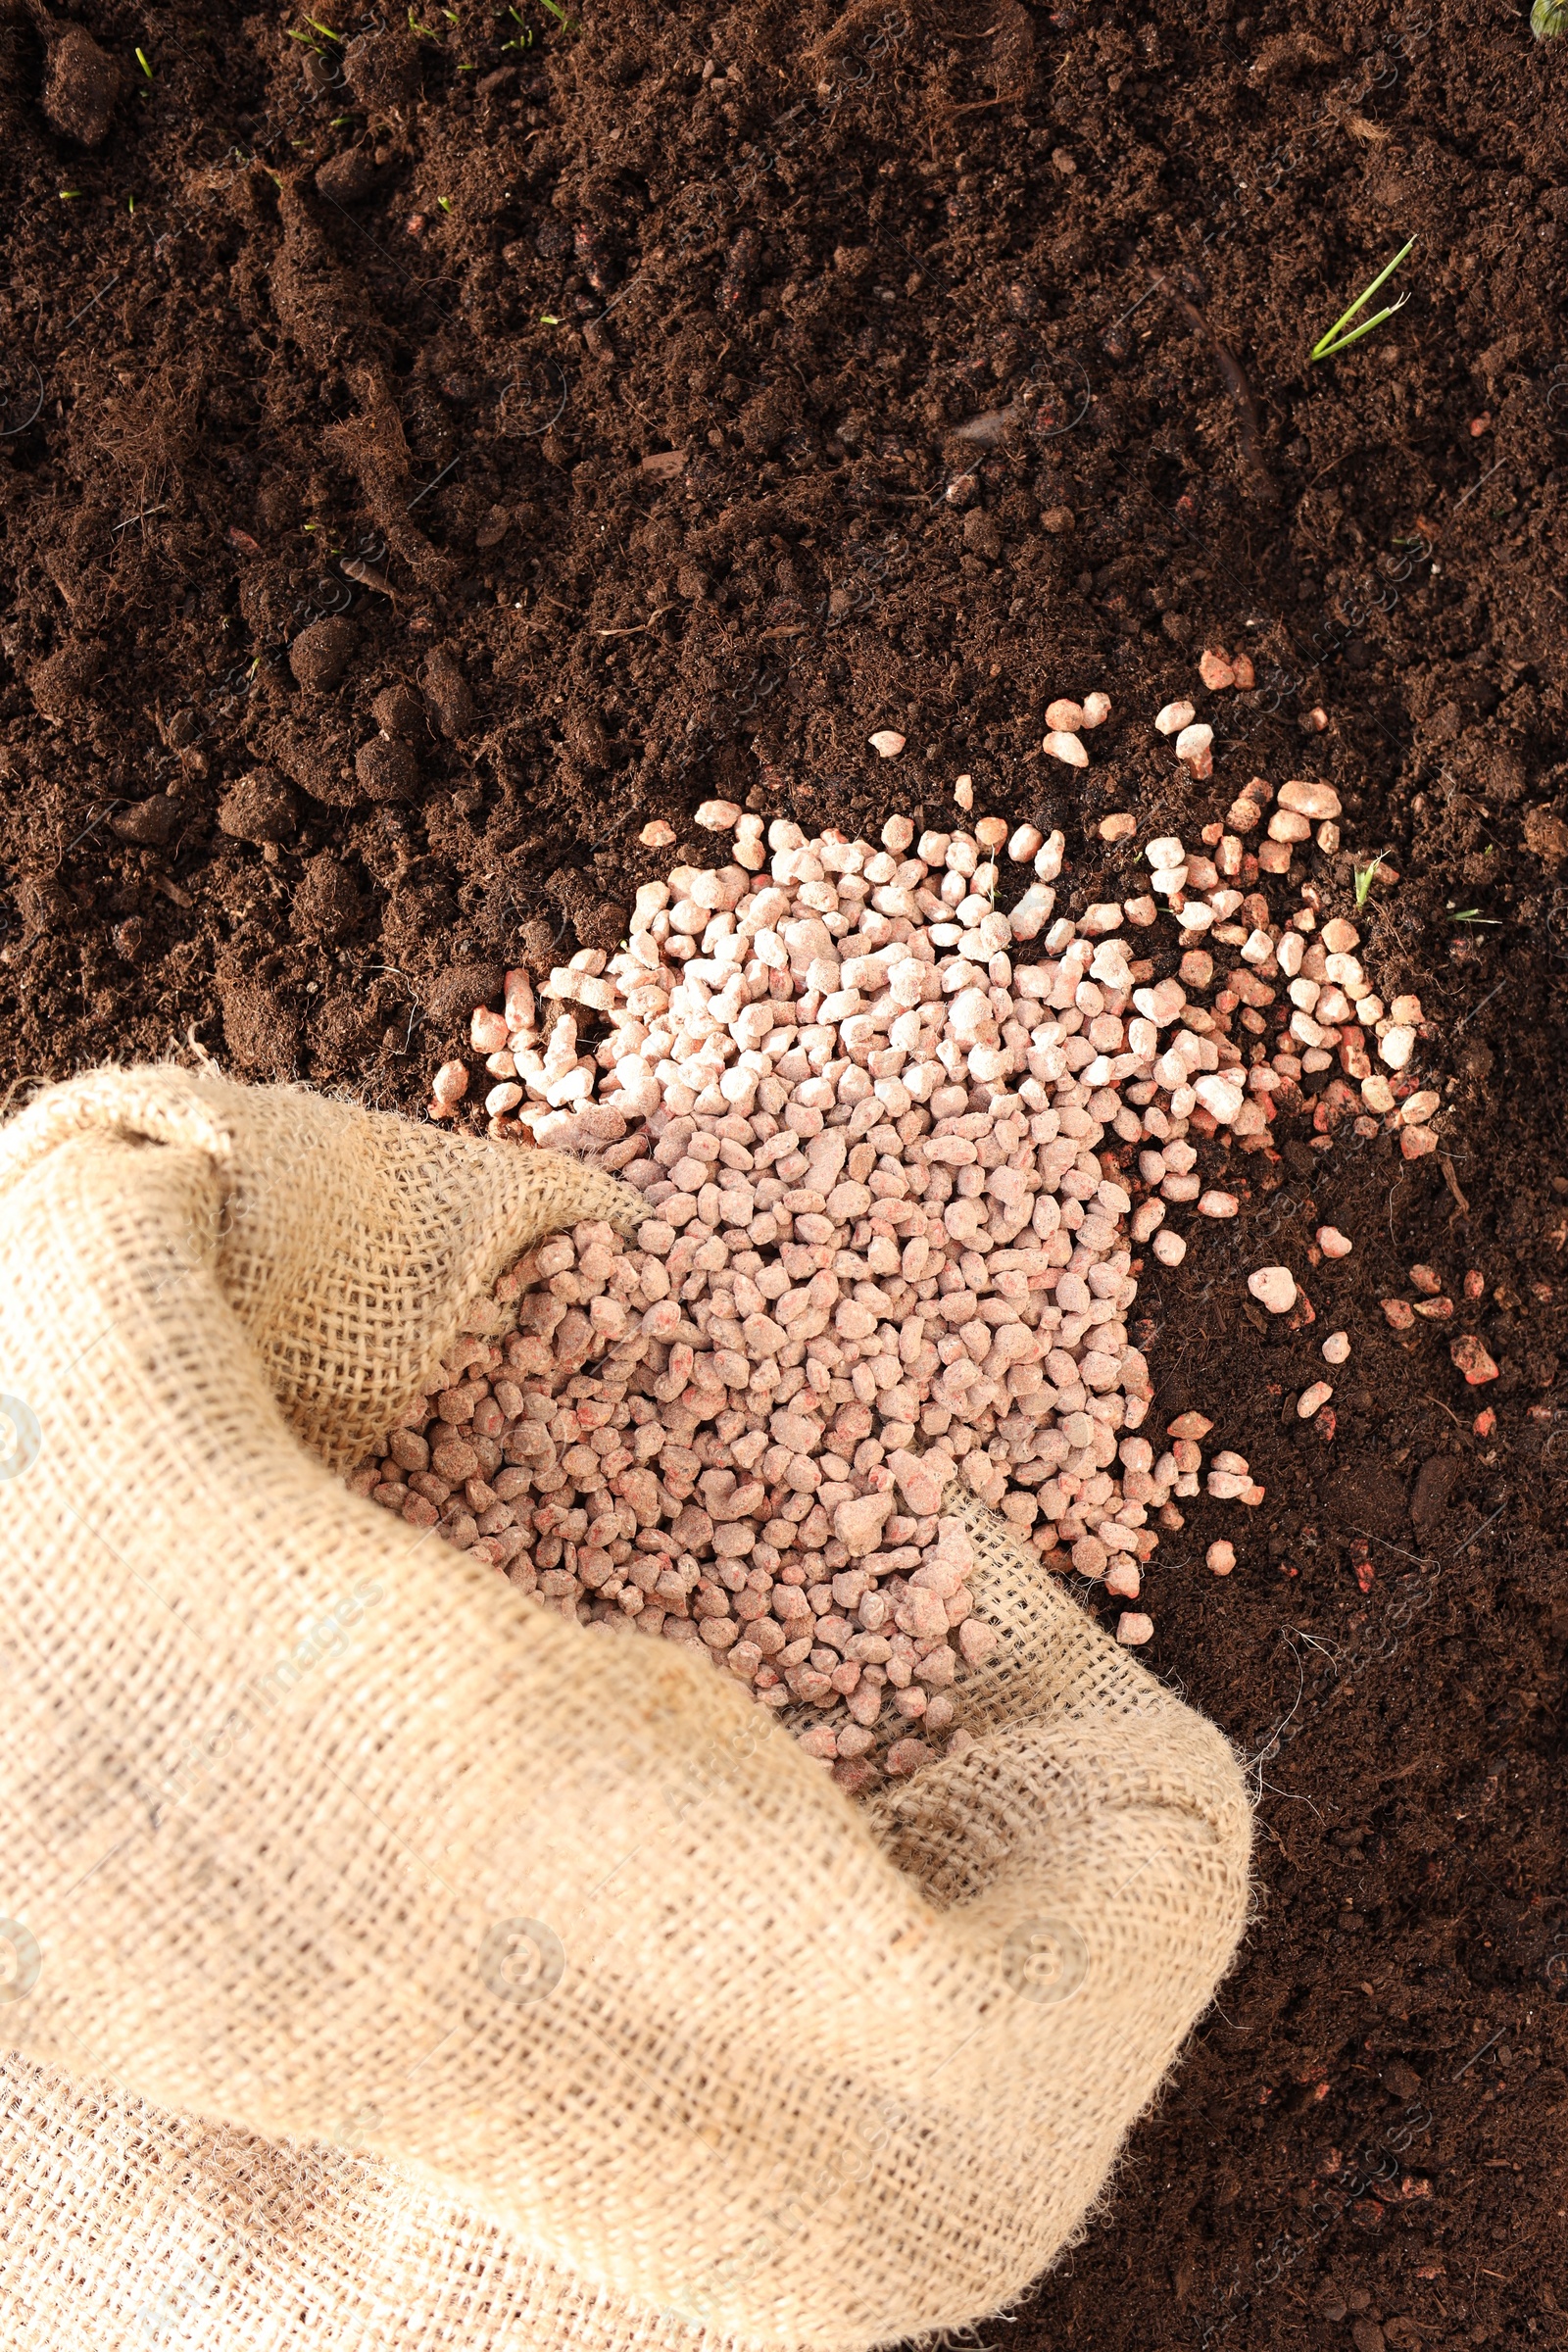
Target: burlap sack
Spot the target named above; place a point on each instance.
(391, 1963)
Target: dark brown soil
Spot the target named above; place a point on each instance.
(429, 452)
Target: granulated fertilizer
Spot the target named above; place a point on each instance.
(885, 1247)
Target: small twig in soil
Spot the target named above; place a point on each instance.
(1234, 379)
(1448, 1409)
(164, 508)
(1333, 462)
(641, 625)
(1452, 1182)
(1393, 1189)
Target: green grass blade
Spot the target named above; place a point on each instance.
(1332, 350)
(1327, 344)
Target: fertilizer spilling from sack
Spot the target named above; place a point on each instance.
(887, 1149)
(463, 2014)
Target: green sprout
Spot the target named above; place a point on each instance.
(326, 31)
(1473, 915)
(1365, 876)
(1548, 19)
(567, 23)
(1329, 346)
(548, 318)
(69, 195)
(445, 202)
(131, 204)
(142, 60)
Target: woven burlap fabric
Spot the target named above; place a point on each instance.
(393, 1962)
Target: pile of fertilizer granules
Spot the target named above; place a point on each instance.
(897, 1148)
